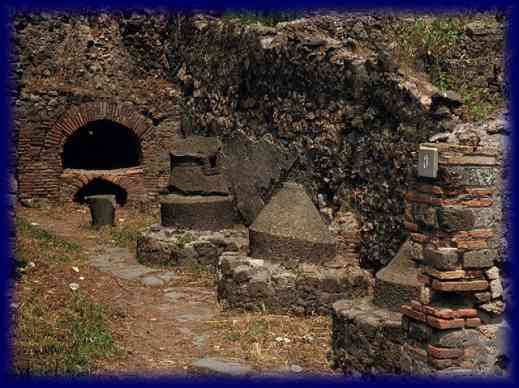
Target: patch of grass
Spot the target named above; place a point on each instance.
(431, 39)
(266, 18)
(125, 236)
(186, 238)
(55, 331)
(35, 241)
(124, 233)
(435, 41)
(65, 339)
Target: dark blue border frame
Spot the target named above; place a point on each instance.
(74, 5)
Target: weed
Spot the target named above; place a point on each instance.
(63, 340)
(266, 18)
(186, 238)
(33, 241)
(431, 43)
(124, 234)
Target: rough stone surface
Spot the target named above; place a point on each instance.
(254, 284)
(152, 281)
(194, 180)
(397, 283)
(213, 366)
(366, 339)
(168, 246)
(483, 258)
(442, 258)
(115, 261)
(196, 167)
(290, 228)
(253, 167)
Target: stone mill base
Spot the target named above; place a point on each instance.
(246, 283)
(172, 246)
(366, 339)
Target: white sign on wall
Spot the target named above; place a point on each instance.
(427, 162)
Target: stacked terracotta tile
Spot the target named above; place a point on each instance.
(452, 218)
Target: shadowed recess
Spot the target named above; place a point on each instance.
(100, 186)
(102, 145)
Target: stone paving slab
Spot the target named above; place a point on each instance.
(152, 281)
(224, 367)
(194, 313)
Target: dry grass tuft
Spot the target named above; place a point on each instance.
(271, 342)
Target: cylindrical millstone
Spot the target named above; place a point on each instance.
(102, 209)
(198, 212)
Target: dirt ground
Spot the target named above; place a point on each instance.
(165, 329)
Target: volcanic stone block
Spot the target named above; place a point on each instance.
(197, 146)
(290, 228)
(251, 168)
(482, 258)
(442, 258)
(468, 176)
(453, 219)
(455, 338)
(193, 180)
(210, 212)
(366, 339)
(102, 209)
(195, 167)
(397, 282)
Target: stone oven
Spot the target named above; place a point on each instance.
(93, 148)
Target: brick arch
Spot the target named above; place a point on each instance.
(52, 180)
(78, 117)
(130, 181)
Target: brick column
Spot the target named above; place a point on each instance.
(453, 218)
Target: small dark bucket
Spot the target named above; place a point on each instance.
(102, 209)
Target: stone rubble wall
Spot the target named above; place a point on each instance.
(160, 245)
(348, 116)
(244, 283)
(366, 339)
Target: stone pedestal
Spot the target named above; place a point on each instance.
(208, 212)
(160, 245)
(367, 339)
(245, 283)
